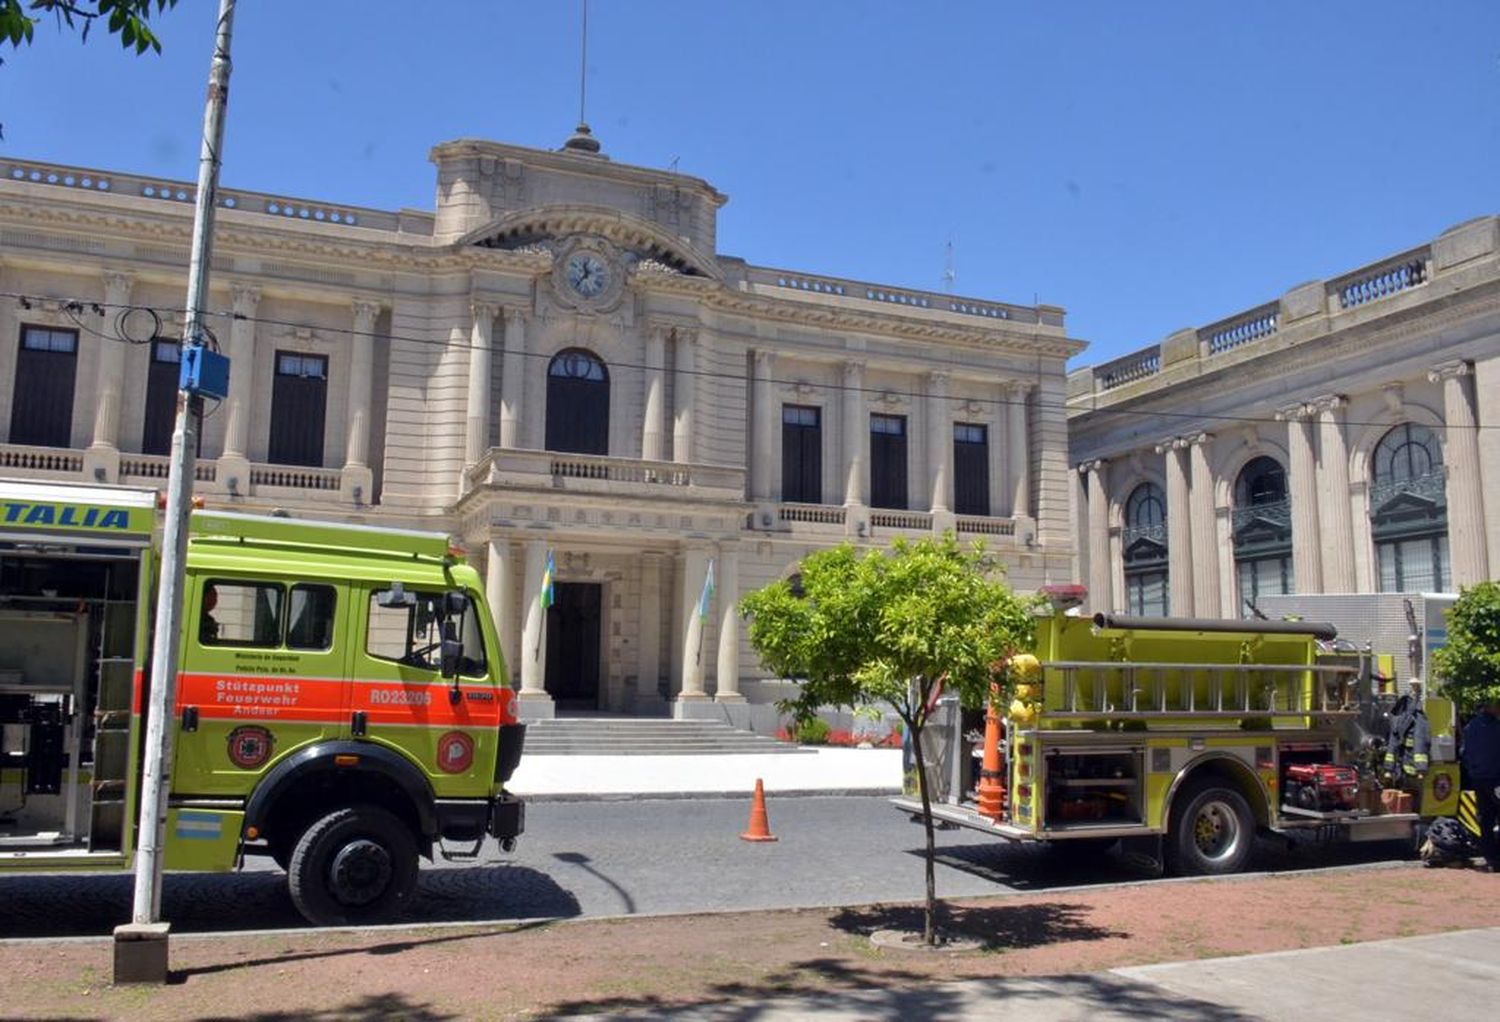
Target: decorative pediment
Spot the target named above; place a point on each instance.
(648, 242)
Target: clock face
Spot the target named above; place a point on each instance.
(587, 274)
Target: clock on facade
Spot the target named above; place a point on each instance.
(587, 274)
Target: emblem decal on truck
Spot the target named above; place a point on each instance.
(249, 746)
(455, 752)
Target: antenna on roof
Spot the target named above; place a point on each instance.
(582, 140)
(949, 273)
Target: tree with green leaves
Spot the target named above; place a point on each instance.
(129, 20)
(895, 628)
(1469, 664)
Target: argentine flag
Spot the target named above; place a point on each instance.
(547, 594)
(706, 597)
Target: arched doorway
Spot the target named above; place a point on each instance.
(577, 403)
(1262, 522)
(1409, 512)
(1145, 545)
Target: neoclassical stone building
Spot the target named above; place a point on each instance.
(555, 360)
(1343, 438)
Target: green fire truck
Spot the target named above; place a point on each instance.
(341, 704)
(1189, 737)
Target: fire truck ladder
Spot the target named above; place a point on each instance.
(1146, 691)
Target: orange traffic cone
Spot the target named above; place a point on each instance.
(760, 828)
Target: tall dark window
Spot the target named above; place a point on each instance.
(299, 403)
(577, 403)
(888, 461)
(1262, 519)
(1145, 542)
(801, 454)
(971, 469)
(161, 397)
(1409, 512)
(46, 366)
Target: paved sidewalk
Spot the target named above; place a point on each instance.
(817, 771)
(1443, 975)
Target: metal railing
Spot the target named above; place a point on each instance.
(1145, 691)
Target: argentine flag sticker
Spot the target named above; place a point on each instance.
(199, 826)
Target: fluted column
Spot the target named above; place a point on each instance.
(499, 589)
(1335, 517)
(685, 394)
(763, 426)
(1302, 478)
(694, 571)
(1466, 525)
(1018, 444)
(728, 677)
(1179, 528)
(111, 363)
(939, 441)
(361, 375)
(241, 403)
(653, 425)
(512, 378)
(1101, 598)
(477, 420)
(534, 632)
(856, 430)
(1205, 540)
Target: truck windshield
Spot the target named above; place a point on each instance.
(412, 634)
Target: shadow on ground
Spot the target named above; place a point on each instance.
(996, 927)
(58, 905)
(806, 989)
(376, 1008)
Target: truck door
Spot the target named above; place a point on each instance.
(263, 674)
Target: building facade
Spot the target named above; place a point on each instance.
(556, 365)
(1344, 438)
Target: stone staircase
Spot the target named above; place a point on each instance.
(627, 736)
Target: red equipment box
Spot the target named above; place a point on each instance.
(1321, 786)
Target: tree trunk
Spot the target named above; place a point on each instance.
(929, 921)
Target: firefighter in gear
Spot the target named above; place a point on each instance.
(1481, 763)
(1407, 745)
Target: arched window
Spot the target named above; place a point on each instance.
(577, 403)
(1409, 511)
(1262, 532)
(1145, 544)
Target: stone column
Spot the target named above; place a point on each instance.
(856, 430)
(1302, 479)
(356, 478)
(534, 633)
(1018, 444)
(694, 570)
(1179, 528)
(1101, 598)
(653, 426)
(763, 427)
(477, 434)
(512, 378)
(1205, 540)
(1466, 524)
(1335, 517)
(1486, 381)
(685, 394)
(650, 637)
(500, 590)
(728, 677)
(102, 460)
(240, 406)
(939, 442)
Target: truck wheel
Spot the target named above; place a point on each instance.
(355, 865)
(1211, 831)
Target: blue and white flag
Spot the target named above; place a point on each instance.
(707, 595)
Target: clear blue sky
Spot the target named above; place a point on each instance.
(1148, 166)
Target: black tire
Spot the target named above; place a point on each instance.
(356, 865)
(1211, 832)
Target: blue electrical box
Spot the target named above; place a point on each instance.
(203, 373)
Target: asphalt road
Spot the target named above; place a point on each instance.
(620, 858)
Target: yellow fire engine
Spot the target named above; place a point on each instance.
(341, 705)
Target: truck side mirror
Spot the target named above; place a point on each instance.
(456, 603)
(451, 651)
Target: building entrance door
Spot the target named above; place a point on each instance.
(574, 622)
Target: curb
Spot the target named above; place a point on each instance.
(736, 794)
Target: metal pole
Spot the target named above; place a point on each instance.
(167, 637)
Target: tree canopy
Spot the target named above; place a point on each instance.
(126, 19)
(1469, 664)
(897, 628)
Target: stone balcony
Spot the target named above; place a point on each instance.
(265, 482)
(601, 475)
(837, 522)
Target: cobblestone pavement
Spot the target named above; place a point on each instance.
(627, 857)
